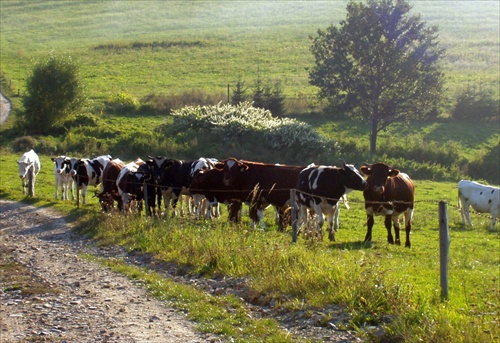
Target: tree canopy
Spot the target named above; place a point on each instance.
(381, 65)
(54, 91)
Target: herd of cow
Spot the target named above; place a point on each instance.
(316, 190)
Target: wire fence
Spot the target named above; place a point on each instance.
(251, 192)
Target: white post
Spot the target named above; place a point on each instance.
(444, 248)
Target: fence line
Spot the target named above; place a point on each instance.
(250, 191)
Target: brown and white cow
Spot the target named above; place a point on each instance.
(390, 193)
(261, 185)
(320, 188)
(109, 193)
(88, 172)
(62, 169)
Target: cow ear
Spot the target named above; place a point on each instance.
(219, 166)
(393, 172)
(366, 170)
(53, 159)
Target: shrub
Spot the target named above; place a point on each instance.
(486, 165)
(249, 126)
(79, 120)
(473, 105)
(122, 103)
(54, 92)
(23, 144)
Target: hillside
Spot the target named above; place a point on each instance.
(151, 47)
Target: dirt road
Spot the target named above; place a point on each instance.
(84, 302)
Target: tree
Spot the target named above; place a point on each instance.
(239, 93)
(381, 65)
(54, 92)
(268, 97)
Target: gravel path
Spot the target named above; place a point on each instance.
(4, 108)
(86, 302)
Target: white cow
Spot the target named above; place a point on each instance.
(29, 167)
(482, 198)
(62, 168)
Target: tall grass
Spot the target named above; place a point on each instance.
(375, 283)
(371, 281)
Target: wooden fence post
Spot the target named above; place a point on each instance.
(444, 248)
(294, 216)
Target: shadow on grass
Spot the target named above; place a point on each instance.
(357, 245)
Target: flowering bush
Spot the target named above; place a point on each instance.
(229, 121)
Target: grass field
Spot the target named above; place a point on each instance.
(145, 47)
(370, 281)
(210, 44)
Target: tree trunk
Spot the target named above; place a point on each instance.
(373, 137)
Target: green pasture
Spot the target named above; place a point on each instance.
(370, 281)
(157, 47)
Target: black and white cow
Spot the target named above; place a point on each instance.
(88, 172)
(62, 169)
(482, 198)
(130, 186)
(321, 187)
(29, 167)
(175, 176)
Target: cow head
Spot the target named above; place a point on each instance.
(232, 171)
(60, 163)
(377, 176)
(353, 179)
(24, 167)
(106, 201)
(73, 165)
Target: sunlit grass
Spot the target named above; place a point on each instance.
(370, 281)
(251, 39)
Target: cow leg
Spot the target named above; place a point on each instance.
(84, 194)
(71, 186)
(336, 215)
(331, 227)
(64, 187)
(369, 226)
(166, 201)
(321, 222)
(395, 221)
(465, 213)
(23, 181)
(280, 214)
(408, 218)
(57, 187)
(388, 226)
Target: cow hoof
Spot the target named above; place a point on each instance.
(408, 245)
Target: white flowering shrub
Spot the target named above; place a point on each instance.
(230, 121)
